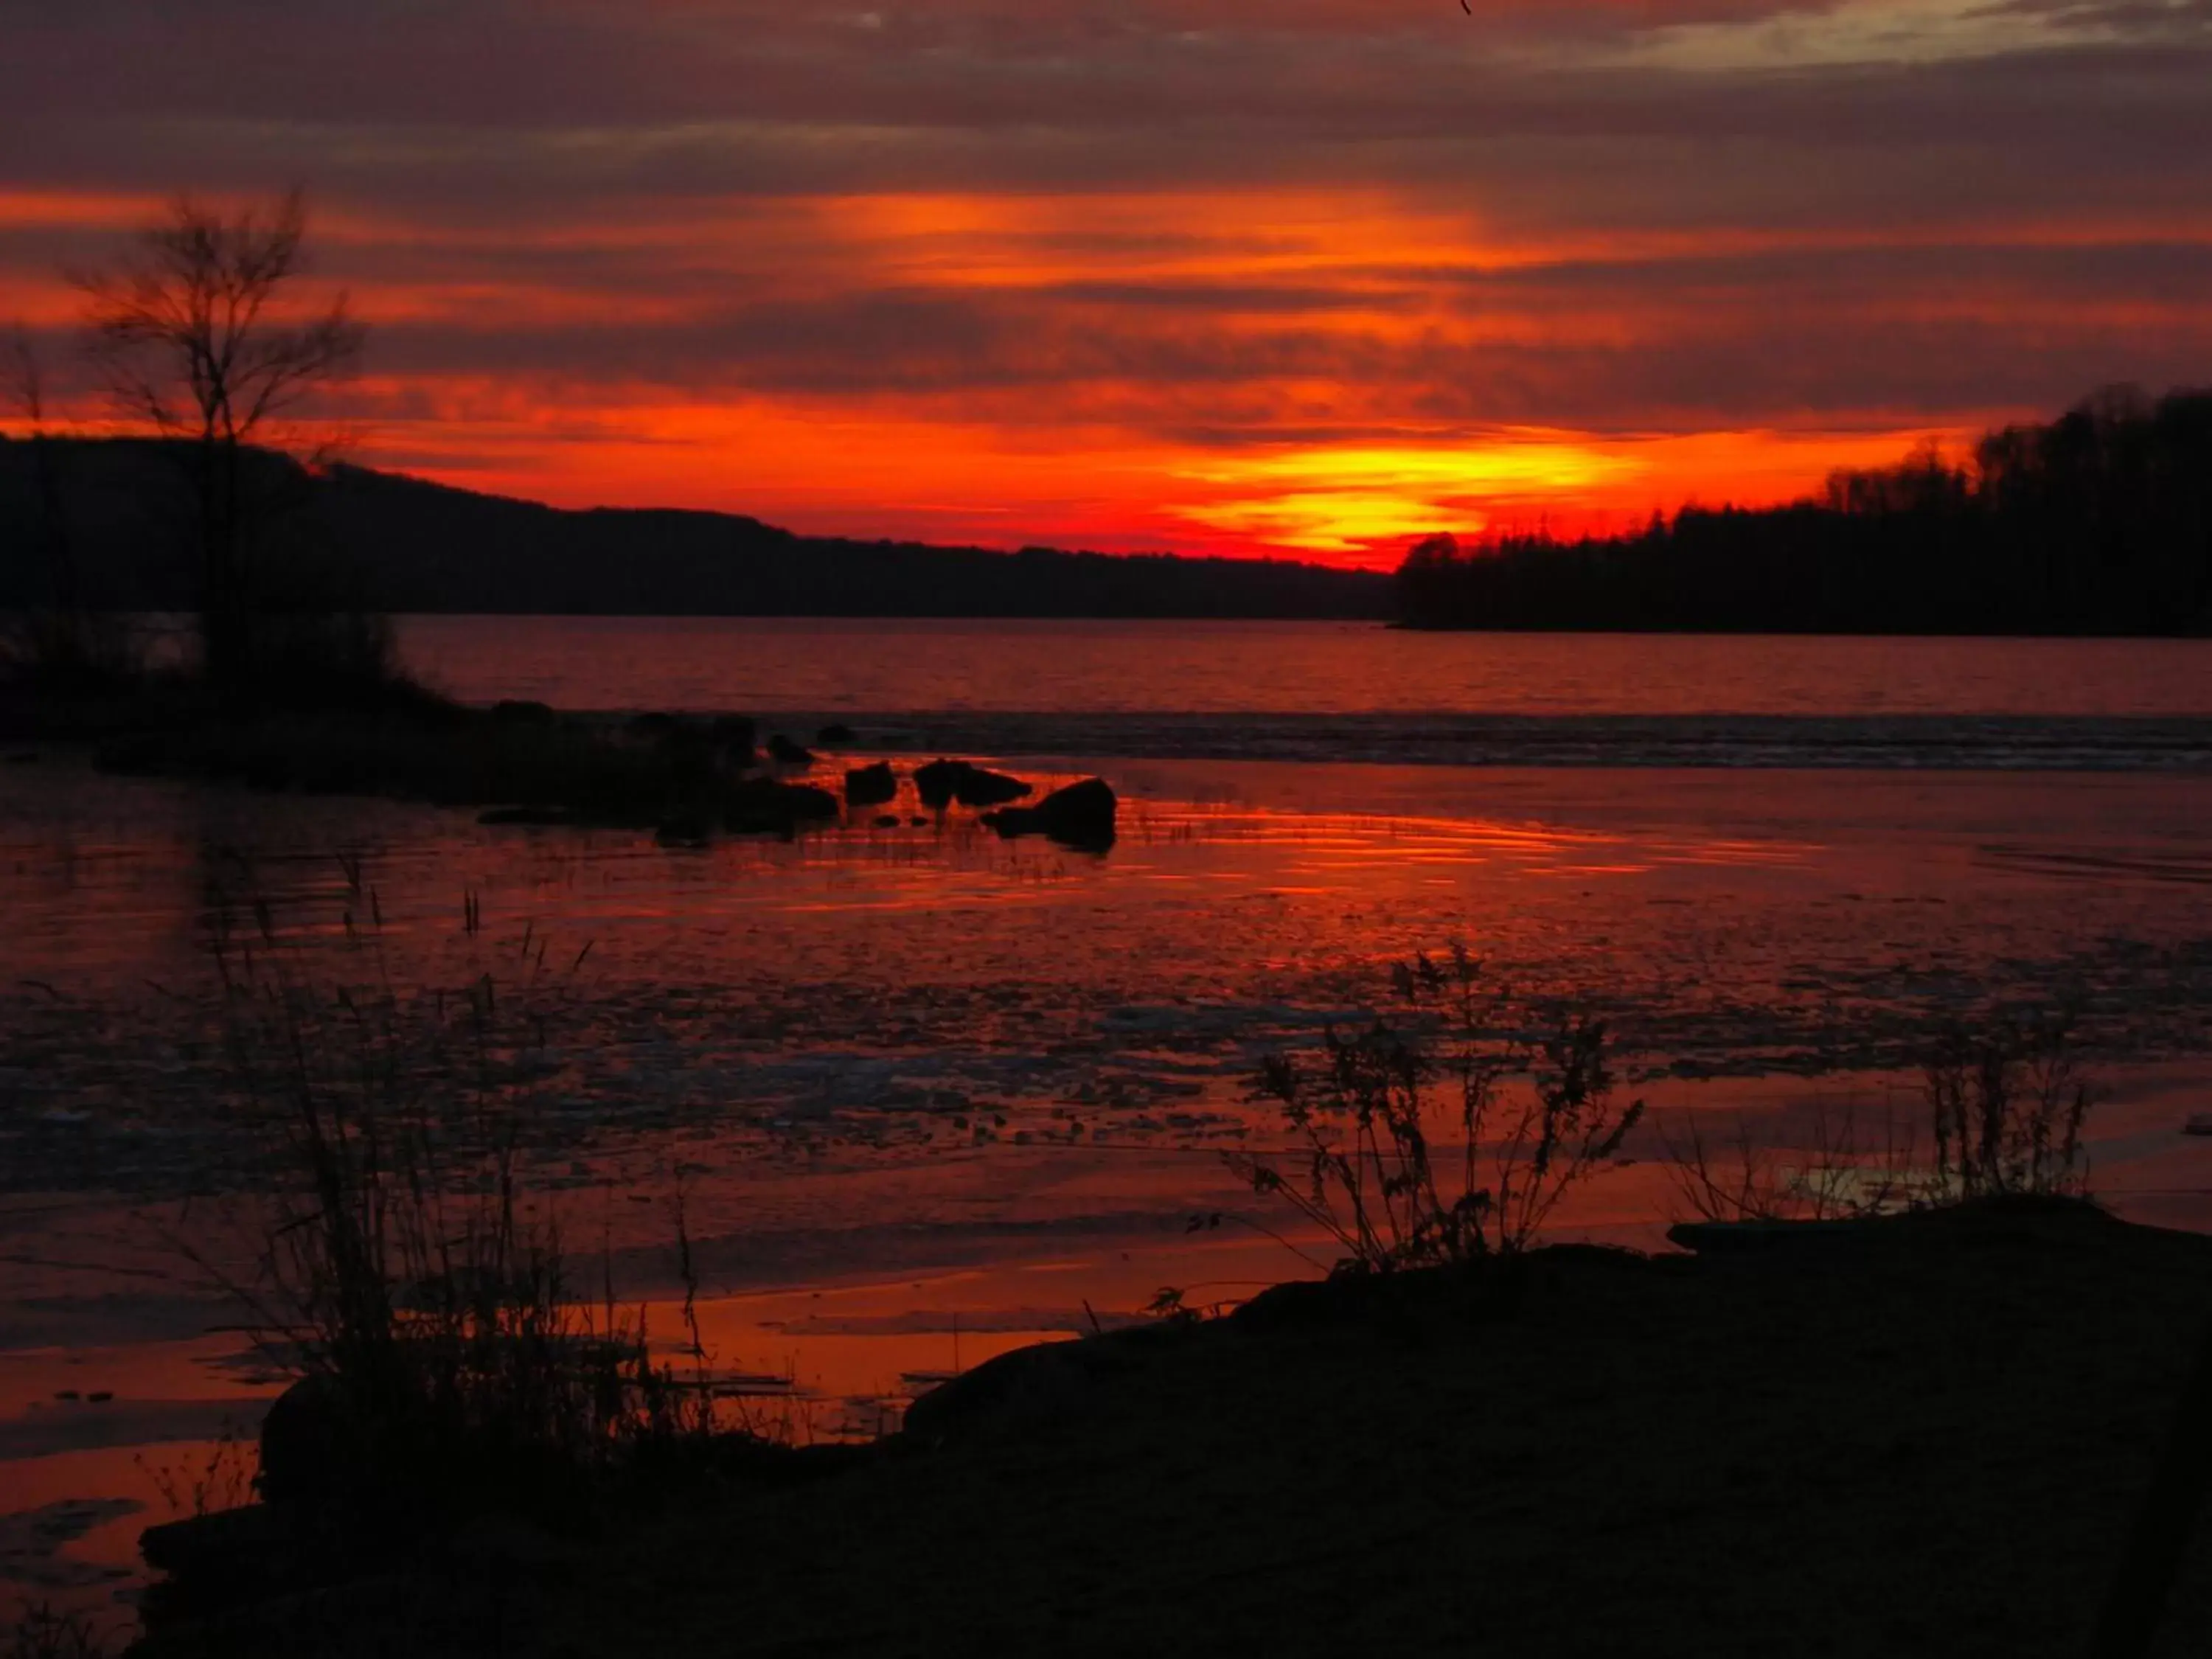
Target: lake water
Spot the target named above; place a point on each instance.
(1088, 668)
(926, 1094)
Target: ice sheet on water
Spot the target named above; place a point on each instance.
(963, 991)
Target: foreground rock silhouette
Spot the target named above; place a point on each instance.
(945, 781)
(871, 785)
(1081, 816)
(1924, 1436)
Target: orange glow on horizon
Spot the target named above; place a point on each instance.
(1261, 373)
(1357, 508)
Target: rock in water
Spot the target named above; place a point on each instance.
(769, 806)
(837, 735)
(871, 785)
(944, 782)
(1081, 816)
(784, 752)
(935, 781)
(734, 734)
(690, 831)
(982, 788)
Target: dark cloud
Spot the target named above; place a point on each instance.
(1611, 214)
(1788, 338)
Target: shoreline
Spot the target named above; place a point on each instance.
(1886, 1425)
(1831, 844)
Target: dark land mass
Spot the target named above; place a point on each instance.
(1924, 1435)
(119, 510)
(2097, 523)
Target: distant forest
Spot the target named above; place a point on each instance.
(2099, 522)
(108, 521)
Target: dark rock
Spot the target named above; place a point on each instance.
(686, 829)
(918, 822)
(503, 1542)
(514, 711)
(132, 755)
(655, 727)
(1484, 1288)
(729, 740)
(1049, 1380)
(981, 788)
(214, 1542)
(1741, 1237)
(888, 821)
(312, 1445)
(784, 752)
(1305, 1303)
(771, 807)
(871, 785)
(531, 817)
(944, 782)
(269, 770)
(1081, 816)
(230, 1558)
(835, 735)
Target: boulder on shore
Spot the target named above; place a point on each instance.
(945, 781)
(871, 785)
(313, 1443)
(1081, 816)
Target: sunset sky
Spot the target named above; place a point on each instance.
(1301, 277)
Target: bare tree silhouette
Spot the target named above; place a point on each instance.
(194, 336)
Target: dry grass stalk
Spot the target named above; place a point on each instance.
(1531, 1118)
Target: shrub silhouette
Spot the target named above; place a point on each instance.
(1532, 1118)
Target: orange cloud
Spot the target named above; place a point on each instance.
(1256, 276)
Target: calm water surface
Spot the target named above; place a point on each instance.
(1091, 668)
(928, 1094)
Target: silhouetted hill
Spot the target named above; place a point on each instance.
(407, 544)
(2100, 522)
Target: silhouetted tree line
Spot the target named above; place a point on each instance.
(343, 536)
(2099, 522)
